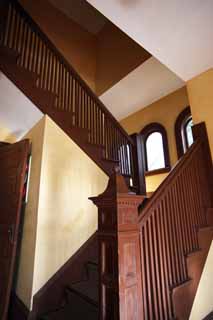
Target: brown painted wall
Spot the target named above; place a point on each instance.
(117, 55)
(101, 60)
(77, 45)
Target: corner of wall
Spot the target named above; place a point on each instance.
(27, 257)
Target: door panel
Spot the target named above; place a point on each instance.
(13, 162)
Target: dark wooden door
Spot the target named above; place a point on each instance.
(13, 162)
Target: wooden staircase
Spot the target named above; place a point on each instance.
(162, 251)
(176, 233)
(149, 264)
(80, 298)
(32, 62)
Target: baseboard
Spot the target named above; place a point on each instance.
(17, 309)
(51, 295)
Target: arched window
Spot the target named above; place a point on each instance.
(183, 131)
(155, 145)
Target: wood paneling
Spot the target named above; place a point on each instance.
(119, 252)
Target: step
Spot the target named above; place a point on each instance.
(9, 54)
(87, 289)
(205, 236)
(26, 81)
(183, 295)
(195, 263)
(92, 271)
(182, 300)
(12, 70)
(210, 216)
(75, 309)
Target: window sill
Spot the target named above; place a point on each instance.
(157, 171)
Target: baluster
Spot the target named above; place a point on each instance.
(23, 44)
(156, 267)
(20, 31)
(189, 208)
(144, 273)
(80, 106)
(50, 72)
(30, 50)
(64, 88)
(7, 27)
(165, 263)
(11, 28)
(14, 27)
(148, 270)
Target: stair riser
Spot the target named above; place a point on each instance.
(183, 296)
(205, 237)
(210, 217)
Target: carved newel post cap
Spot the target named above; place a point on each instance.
(116, 184)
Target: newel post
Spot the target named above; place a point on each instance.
(200, 132)
(120, 290)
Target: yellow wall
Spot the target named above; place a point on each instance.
(117, 55)
(200, 91)
(75, 43)
(203, 303)
(59, 216)
(66, 217)
(6, 135)
(27, 258)
(165, 111)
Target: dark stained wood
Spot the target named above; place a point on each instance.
(185, 114)
(51, 295)
(13, 162)
(149, 129)
(157, 171)
(170, 223)
(199, 131)
(139, 164)
(119, 252)
(209, 317)
(55, 85)
(17, 310)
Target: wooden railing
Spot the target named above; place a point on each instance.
(168, 229)
(143, 257)
(40, 56)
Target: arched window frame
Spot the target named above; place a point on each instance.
(145, 133)
(180, 131)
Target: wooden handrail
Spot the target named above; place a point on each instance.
(169, 179)
(52, 46)
(169, 224)
(73, 104)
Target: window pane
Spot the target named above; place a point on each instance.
(189, 134)
(155, 152)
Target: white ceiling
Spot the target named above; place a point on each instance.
(17, 113)
(82, 13)
(179, 33)
(143, 86)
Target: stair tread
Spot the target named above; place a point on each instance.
(88, 288)
(73, 311)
